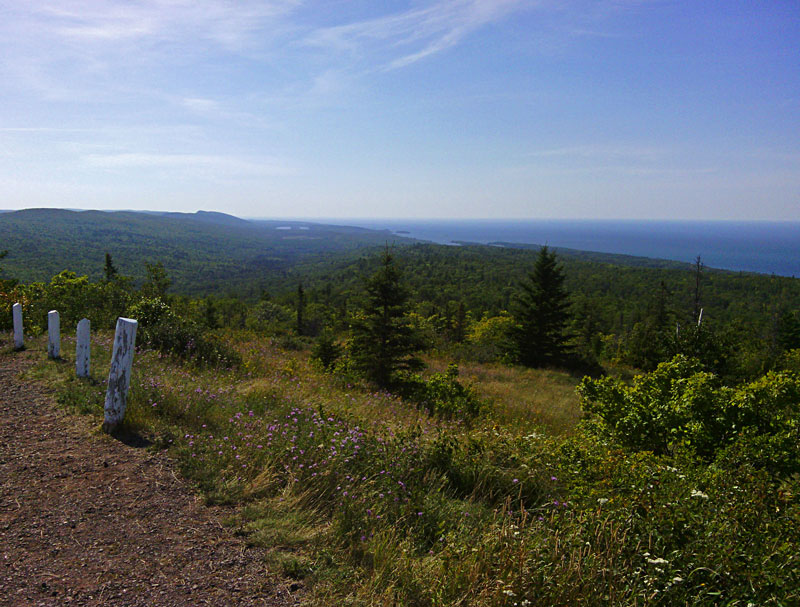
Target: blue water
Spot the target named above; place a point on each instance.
(750, 246)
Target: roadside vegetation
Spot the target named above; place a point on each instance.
(450, 474)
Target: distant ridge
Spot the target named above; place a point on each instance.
(211, 217)
(600, 257)
(212, 252)
(203, 252)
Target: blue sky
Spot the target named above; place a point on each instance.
(465, 108)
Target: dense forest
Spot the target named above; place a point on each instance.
(238, 272)
(203, 252)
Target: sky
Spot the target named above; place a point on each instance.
(456, 109)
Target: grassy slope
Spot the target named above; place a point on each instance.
(373, 502)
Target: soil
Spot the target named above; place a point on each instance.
(87, 520)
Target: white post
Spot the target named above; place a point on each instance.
(53, 334)
(83, 348)
(119, 378)
(16, 313)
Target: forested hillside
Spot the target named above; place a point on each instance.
(203, 252)
(621, 307)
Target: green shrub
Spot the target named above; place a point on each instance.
(444, 395)
(160, 328)
(326, 351)
(678, 403)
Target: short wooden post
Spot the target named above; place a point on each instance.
(83, 348)
(53, 334)
(119, 377)
(16, 313)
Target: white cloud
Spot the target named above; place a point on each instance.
(200, 164)
(201, 106)
(227, 22)
(405, 38)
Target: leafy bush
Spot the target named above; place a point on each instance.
(162, 329)
(678, 403)
(489, 338)
(444, 395)
(269, 317)
(73, 296)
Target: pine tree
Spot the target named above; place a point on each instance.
(542, 314)
(788, 331)
(109, 269)
(383, 341)
(301, 307)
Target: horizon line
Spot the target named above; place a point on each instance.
(320, 218)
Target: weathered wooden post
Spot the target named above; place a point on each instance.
(53, 334)
(119, 377)
(83, 348)
(16, 313)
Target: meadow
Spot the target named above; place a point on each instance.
(368, 499)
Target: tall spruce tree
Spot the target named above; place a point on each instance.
(542, 314)
(383, 341)
(108, 269)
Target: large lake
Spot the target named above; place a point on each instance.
(752, 246)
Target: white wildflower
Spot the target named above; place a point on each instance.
(658, 561)
(700, 494)
(602, 500)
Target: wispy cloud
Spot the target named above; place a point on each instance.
(39, 129)
(199, 105)
(613, 159)
(407, 37)
(217, 165)
(226, 22)
(603, 151)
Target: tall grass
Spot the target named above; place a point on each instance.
(524, 398)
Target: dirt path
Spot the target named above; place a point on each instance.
(87, 520)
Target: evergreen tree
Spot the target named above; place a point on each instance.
(542, 314)
(460, 325)
(789, 331)
(209, 312)
(383, 341)
(301, 307)
(5, 283)
(109, 269)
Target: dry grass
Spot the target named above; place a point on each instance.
(523, 397)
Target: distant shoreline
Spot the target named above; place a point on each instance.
(765, 247)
